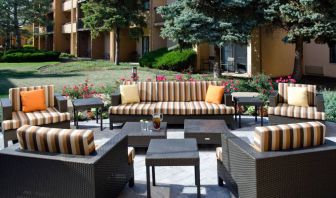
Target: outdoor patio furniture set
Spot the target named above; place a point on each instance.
(280, 161)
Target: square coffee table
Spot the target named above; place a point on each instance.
(139, 138)
(172, 152)
(205, 131)
(246, 101)
(88, 103)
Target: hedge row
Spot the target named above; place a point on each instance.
(29, 55)
(176, 60)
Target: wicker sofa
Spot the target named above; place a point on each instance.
(55, 116)
(279, 112)
(175, 100)
(102, 174)
(308, 172)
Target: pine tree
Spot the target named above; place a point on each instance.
(113, 15)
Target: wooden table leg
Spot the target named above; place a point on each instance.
(97, 113)
(256, 113)
(101, 118)
(148, 182)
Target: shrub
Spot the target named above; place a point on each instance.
(29, 55)
(28, 46)
(149, 59)
(177, 60)
(1, 54)
(65, 55)
(330, 105)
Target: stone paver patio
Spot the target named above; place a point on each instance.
(179, 181)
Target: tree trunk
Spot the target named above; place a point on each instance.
(117, 46)
(216, 69)
(16, 25)
(298, 63)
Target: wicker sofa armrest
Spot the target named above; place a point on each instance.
(273, 99)
(115, 99)
(228, 99)
(319, 102)
(61, 103)
(6, 107)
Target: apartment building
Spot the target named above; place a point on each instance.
(265, 53)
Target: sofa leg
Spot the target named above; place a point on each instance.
(220, 182)
(131, 182)
(5, 143)
(111, 125)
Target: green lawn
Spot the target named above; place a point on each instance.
(68, 73)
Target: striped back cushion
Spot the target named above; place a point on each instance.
(289, 136)
(283, 96)
(173, 91)
(67, 141)
(14, 95)
(147, 90)
(198, 89)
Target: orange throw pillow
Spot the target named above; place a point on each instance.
(33, 100)
(215, 94)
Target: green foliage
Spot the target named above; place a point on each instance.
(177, 60)
(28, 46)
(65, 55)
(1, 54)
(150, 58)
(29, 55)
(330, 105)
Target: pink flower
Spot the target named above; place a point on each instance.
(149, 79)
(179, 77)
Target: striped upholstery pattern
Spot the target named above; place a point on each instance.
(67, 141)
(142, 108)
(198, 89)
(286, 110)
(147, 90)
(49, 116)
(173, 91)
(283, 96)
(289, 136)
(15, 98)
(172, 108)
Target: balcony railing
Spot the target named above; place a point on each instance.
(67, 5)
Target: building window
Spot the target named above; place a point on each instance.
(146, 5)
(145, 44)
(234, 58)
(333, 54)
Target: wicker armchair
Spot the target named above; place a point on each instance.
(55, 116)
(102, 174)
(295, 173)
(280, 112)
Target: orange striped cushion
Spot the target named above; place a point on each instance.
(283, 92)
(284, 109)
(289, 136)
(67, 141)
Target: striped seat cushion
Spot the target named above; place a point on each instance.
(283, 92)
(284, 109)
(49, 116)
(15, 98)
(173, 91)
(172, 108)
(142, 108)
(289, 136)
(67, 141)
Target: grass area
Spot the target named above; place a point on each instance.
(67, 74)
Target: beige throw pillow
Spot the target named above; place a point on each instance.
(129, 94)
(298, 96)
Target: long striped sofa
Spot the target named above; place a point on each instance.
(68, 163)
(288, 160)
(55, 115)
(281, 113)
(175, 100)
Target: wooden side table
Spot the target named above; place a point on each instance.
(86, 103)
(249, 101)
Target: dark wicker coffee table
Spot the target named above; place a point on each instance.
(249, 101)
(205, 131)
(88, 103)
(172, 152)
(139, 138)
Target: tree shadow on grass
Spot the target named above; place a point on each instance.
(6, 74)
